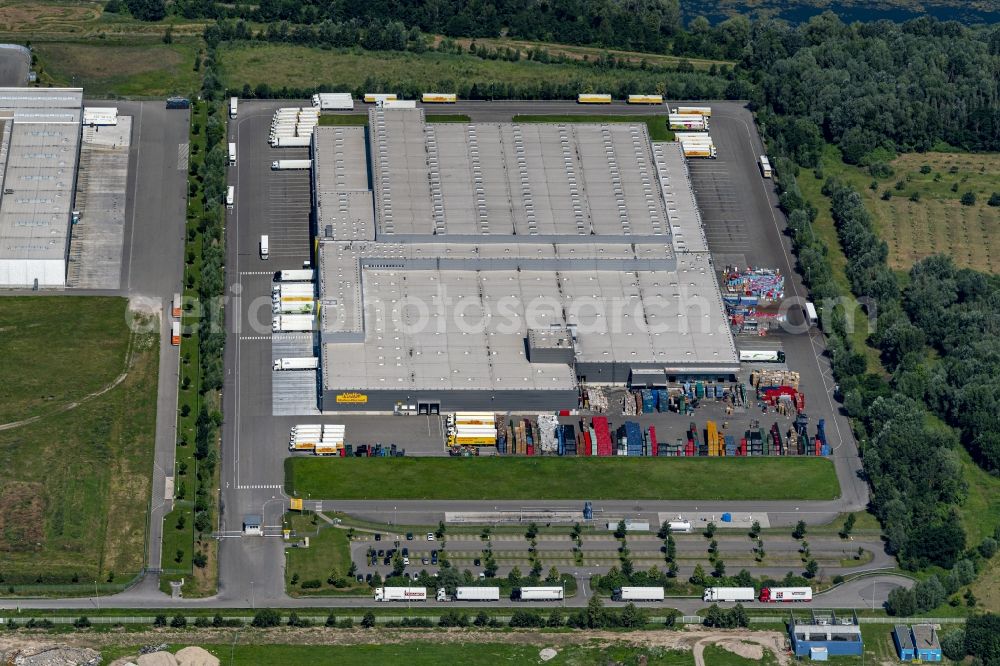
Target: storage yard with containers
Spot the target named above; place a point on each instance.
(542, 291)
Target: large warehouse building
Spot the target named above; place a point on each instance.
(499, 265)
(39, 152)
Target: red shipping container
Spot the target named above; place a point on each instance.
(652, 441)
(563, 412)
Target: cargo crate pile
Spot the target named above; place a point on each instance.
(682, 398)
(752, 298)
(292, 127)
(593, 399)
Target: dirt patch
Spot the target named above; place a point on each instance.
(38, 16)
(22, 516)
(692, 639)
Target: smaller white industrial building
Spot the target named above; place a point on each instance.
(40, 136)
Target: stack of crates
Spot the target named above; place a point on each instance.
(632, 432)
(654, 446)
(775, 438)
(648, 401)
(602, 436)
(755, 440)
(730, 442)
(583, 442)
(711, 439)
(821, 436)
(663, 398)
(802, 432)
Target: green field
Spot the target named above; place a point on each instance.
(329, 553)
(657, 124)
(280, 65)
(74, 485)
(561, 478)
(421, 653)
(144, 69)
(62, 348)
(936, 222)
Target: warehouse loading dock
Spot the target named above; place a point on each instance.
(545, 255)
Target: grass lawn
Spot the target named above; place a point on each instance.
(74, 485)
(657, 124)
(281, 65)
(356, 119)
(64, 348)
(423, 653)
(148, 69)
(329, 551)
(717, 656)
(561, 478)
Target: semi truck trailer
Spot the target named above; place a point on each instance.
(400, 594)
(233, 101)
(762, 356)
(295, 276)
(645, 99)
(285, 323)
(470, 594)
(785, 594)
(283, 165)
(638, 594)
(730, 594)
(439, 98)
(333, 101)
(303, 363)
(593, 98)
(538, 593)
(375, 98)
(175, 333)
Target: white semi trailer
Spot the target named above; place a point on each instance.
(287, 323)
(539, 593)
(470, 594)
(639, 594)
(730, 594)
(296, 276)
(285, 165)
(400, 594)
(303, 363)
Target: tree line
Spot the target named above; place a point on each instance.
(639, 25)
(875, 88)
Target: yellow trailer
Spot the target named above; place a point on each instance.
(305, 445)
(371, 98)
(593, 98)
(645, 99)
(484, 440)
(439, 98)
(694, 111)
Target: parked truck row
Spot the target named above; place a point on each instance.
(320, 439)
(292, 127)
(748, 594)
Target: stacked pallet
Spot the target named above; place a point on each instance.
(770, 377)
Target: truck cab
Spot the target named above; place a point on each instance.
(442, 595)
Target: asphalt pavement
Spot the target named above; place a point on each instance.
(14, 65)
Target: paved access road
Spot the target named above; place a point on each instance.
(14, 65)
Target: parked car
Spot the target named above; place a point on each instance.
(406, 561)
(424, 561)
(409, 536)
(406, 552)
(381, 553)
(430, 536)
(378, 537)
(434, 557)
(475, 562)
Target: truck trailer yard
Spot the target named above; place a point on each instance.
(427, 482)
